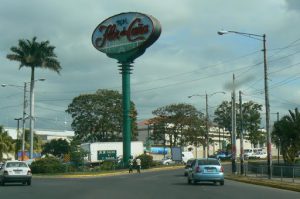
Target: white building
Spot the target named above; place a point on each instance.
(46, 135)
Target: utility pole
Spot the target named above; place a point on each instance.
(233, 134)
(18, 135)
(241, 135)
(23, 121)
(278, 142)
(207, 128)
(269, 143)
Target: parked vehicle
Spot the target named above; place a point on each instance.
(167, 161)
(188, 166)
(100, 151)
(206, 170)
(221, 155)
(250, 152)
(259, 155)
(15, 171)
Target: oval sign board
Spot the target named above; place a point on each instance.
(126, 36)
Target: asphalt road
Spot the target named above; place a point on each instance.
(154, 185)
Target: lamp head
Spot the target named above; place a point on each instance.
(222, 32)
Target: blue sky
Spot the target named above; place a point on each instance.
(188, 58)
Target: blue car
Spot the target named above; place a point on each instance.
(223, 156)
(206, 170)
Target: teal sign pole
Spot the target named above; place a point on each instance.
(125, 71)
(125, 37)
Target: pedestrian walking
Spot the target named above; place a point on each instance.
(130, 165)
(138, 165)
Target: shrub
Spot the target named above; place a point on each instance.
(146, 161)
(48, 165)
(107, 165)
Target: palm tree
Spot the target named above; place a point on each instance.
(287, 132)
(34, 54)
(6, 143)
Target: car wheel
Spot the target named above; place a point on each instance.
(194, 182)
(2, 183)
(189, 180)
(29, 182)
(222, 183)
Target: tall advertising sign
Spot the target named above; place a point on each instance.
(125, 37)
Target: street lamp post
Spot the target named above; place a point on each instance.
(267, 105)
(241, 134)
(31, 115)
(23, 121)
(233, 131)
(206, 152)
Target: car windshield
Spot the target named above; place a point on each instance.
(15, 164)
(208, 162)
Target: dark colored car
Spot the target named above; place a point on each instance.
(206, 170)
(188, 166)
(15, 171)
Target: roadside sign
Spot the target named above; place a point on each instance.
(107, 154)
(176, 153)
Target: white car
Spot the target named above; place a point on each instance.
(167, 161)
(260, 155)
(15, 171)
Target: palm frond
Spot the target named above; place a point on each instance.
(31, 53)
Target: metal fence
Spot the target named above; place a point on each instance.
(279, 172)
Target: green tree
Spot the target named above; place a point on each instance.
(6, 143)
(251, 122)
(77, 154)
(180, 123)
(223, 115)
(57, 147)
(98, 116)
(287, 132)
(251, 119)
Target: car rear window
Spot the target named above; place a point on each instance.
(16, 164)
(208, 162)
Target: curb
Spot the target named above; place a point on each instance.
(265, 182)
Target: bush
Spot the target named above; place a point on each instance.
(107, 165)
(48, 165)
(146, 161)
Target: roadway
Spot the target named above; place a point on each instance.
(152, 185)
